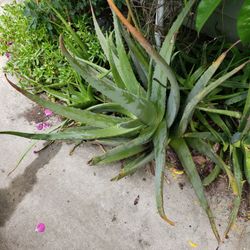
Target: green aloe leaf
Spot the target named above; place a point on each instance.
(110, 107)
(166, 51)
(77, 133)
(184, 155)
(134, 165)
(116, 76)
(204, 11)
(126, 149)
(137, 50)
(103, 41)
(174, 92)
(243, 22)
(158, 94)
(83, 116)
(125, 69)
(140, 107)
(160, 141)
(212, 176)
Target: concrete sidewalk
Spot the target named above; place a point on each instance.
(79, 205)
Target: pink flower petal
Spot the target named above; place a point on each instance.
(43, 125)
(40, 228)
(48, 112)
(39, 126)
(7, 54)
(9, 43)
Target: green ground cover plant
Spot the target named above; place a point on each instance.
(34, 56)
(152, 100)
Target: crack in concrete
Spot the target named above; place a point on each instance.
(21, 185)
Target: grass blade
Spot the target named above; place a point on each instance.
(231, 113)
(191, 105)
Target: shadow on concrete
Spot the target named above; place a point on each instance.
(21, 185)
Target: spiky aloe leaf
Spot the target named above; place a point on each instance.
(180, 147)
(175, 93)
(134, 165)
(117, 78)
(161, 75)
(102, 40)
(212, 176)
(140, 107)
(160, 140)
(125, 69)
(110, 107)
(83, 116)
(126, 149)
(78, 133)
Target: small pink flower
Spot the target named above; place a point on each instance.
(40, 228)
(7, 54)
(9, 43)
(43, 125)
(48, 112)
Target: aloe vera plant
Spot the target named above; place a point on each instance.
(145, 113)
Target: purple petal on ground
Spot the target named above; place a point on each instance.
(40, 228)
(39, 126)
(48, 112)
(43, 125)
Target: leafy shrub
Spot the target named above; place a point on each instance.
(40, 13)
(36, 59)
